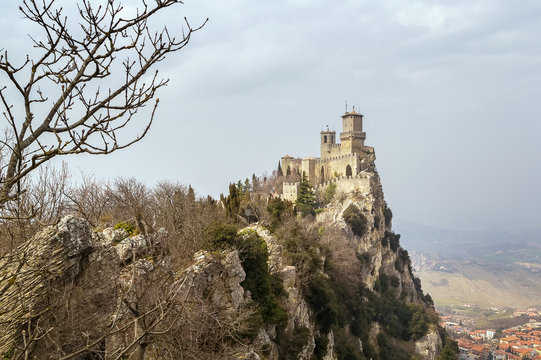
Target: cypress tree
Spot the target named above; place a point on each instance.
(280, 171)
(232, 202)
(306, 200)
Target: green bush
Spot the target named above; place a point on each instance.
(346, 346)
(355, 219)
(449, 351)
(322, 300)
(402, 259)
(388, 350)
(346, 309)
(394, 281)
(391, 312)
(391, 239)
(417, 285)
(300, 247)
(321, 342)
(219, 236)
(129, 228)
(277, 285)
(254, 257)
(290, 345)
(418, 324)
(364, 258)
(329, 192)
(278, 209)
(428, 299)
(306, 209)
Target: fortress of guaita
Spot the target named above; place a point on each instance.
(344, 160)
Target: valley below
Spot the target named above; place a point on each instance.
(486, 275)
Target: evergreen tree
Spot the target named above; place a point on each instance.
(306, 200)
(280, 171)
(240, 187)
(247, 188)
(255, 184)
(232, 202)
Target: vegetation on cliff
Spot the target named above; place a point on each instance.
(330, 272)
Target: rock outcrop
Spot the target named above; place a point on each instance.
(98, 275)
(110, 280)
(27, 274)
(429, 346)
(382, 258)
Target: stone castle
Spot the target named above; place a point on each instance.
(338, 160)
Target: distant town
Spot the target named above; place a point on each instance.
(517, 342)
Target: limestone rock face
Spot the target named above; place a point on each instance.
(112, 235)
(330, 355)
(131, 246)
(299, 314)
(430, 345)
(372, 245)
(27, 273)
(221, 275)
(375, 248)
(68, 263)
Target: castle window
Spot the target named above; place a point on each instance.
(348, 171)
(288, 171)
(325, 139)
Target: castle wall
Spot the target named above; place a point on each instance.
(294, 165)
(290, 191)
(336, 167)
(308, 168)
(343, 184)
(330, 150)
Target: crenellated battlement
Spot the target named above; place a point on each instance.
(337, 161)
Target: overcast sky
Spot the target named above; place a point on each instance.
(450, 91)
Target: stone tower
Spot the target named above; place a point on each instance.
(328, 142)
(343, 160)
(352, 136)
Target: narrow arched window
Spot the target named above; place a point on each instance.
(325, 139)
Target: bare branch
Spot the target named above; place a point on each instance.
(75, 57)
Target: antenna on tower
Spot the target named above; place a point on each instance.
(346, 106)
(353, 108)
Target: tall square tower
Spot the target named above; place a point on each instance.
(352, 136)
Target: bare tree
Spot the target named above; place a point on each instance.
(44, 203)
(70, 99)
(89, 200)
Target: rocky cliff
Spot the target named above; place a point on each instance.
(374, 262)
(323, 288)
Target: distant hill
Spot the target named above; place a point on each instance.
(480, 267)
